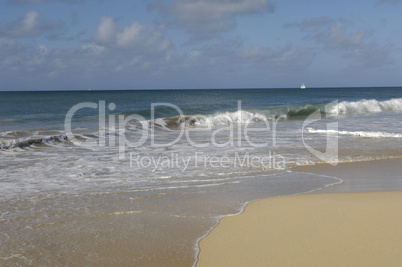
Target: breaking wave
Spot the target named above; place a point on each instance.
(367, 106)
(26, 142)
(356, 133)
(220, 119)
(21, 139)
(296, 112)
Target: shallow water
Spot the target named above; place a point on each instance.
(107, 201)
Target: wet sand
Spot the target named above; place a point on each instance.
(128, 228)
(363, 176)
(134, 230)
(324, 229)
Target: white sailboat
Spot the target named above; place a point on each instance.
(303, 86)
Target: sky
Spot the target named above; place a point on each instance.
(196, 44)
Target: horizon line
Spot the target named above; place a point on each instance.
(190, 89)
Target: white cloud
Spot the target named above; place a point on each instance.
(30, 26)
(151, 63)
(311, 23)
(333, 33)
(93, 49)
(287, 59)
(130, 35)
(30, 21)
(107, 30)
(145, 39)
(204, 19)
(371, 56)
(43, 50)
(137, 55)
(215, 10)
(359, 47)
(336, 36)
(129, 55)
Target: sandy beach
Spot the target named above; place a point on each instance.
(324, 229)
(138, 177)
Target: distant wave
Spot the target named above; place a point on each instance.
(367, 106)
(26, 142)
(356, 133)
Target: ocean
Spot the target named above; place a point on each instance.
(138, 177)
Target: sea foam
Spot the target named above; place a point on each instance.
(367, 106)
(356, 133)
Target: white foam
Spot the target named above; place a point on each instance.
(26, 142)
(367, 106)
(229, 118)
(356, 133)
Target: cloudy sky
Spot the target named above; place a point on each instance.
(99, 44)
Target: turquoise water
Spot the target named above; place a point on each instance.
(164, 166)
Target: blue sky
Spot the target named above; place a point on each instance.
(166, 44)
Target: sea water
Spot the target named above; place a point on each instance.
(138, 177)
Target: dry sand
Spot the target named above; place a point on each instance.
(341, 229)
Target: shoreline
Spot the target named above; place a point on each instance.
(349, 189)
(359, 176)
(242, 210)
